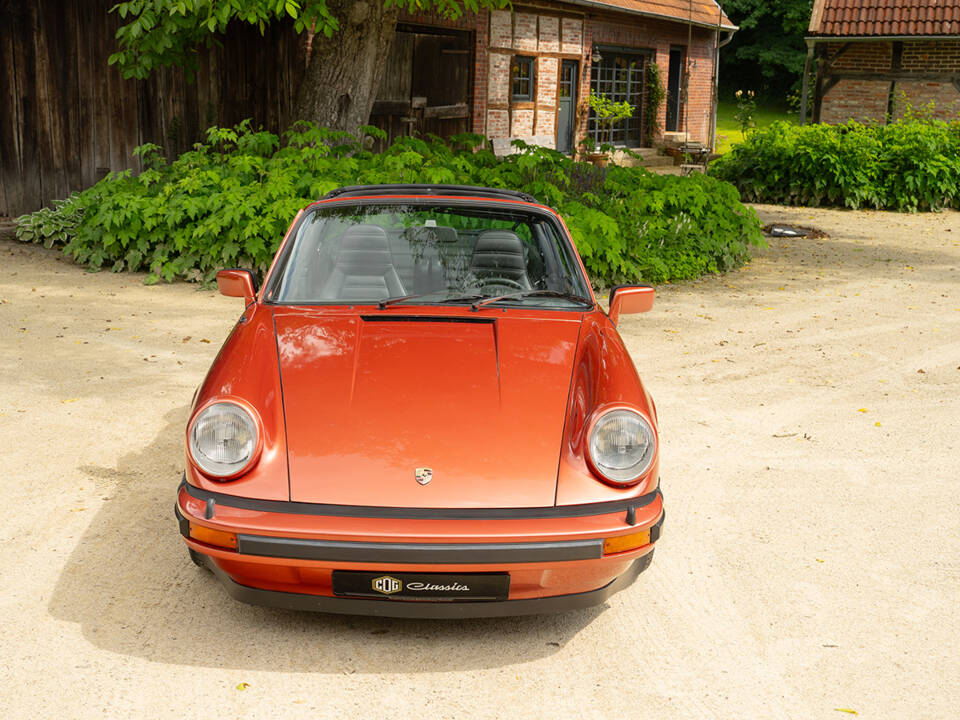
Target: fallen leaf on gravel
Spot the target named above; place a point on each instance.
(876, 424)
(243, 686)
(69, 400)
(863, 410)
(204, 340)
(818, 559)
(186, 339)
(847, 710)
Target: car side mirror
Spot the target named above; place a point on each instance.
(630, 299)
(237, 283)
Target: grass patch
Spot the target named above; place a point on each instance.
(728, 131)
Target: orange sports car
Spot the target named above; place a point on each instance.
(423, 412)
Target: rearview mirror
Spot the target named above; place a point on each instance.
(237, 283)
(630, 299)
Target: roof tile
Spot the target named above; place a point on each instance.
(700, 12)
(866, 18)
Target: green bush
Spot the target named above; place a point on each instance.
(229, 201)
(908, 165)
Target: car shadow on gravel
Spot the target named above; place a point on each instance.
(133, 590)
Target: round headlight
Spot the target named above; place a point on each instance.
(223, 439)
(622, 444)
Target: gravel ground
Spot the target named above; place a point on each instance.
(810, 561)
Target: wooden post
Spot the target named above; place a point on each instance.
(806, 84)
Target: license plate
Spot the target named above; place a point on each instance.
(429, 587)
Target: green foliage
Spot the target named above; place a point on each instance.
(229, 201)
(768, 51)
(609, 112)
(908, 165)
(746, 107)
(166, 32)
(656, 94)
(728, 129)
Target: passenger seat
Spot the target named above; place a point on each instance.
(363, 269)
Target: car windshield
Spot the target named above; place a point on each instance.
(417, 253)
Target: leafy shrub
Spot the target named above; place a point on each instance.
(908, 165)
(656, 94)
(229, 201)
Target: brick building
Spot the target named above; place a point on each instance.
(67, 117)
(876, 58)
(527, 73)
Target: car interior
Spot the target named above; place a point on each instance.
(380, 255)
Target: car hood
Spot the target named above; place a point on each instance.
(479, 399)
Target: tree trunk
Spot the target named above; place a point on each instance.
(340, 83)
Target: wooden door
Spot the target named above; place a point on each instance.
(674, 90)
(427, 85)
(567, 105)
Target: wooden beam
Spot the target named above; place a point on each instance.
(829, 62)
(447, 112)
(828, 84)
(896, 76)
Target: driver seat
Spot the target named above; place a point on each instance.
(499, 254)
(364, 268)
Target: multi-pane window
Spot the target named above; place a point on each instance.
(619, 76)
(568, 76)
(521, 78)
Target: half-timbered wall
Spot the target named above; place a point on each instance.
(878, 81)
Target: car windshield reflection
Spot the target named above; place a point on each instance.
(393, 253)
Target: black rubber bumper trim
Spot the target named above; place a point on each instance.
(656, 528)
(434, 610)
(369, 511)
(434, 553)
(181, 521)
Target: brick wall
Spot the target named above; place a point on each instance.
(919, 95)
(547, 36)
(553, 32)
(657, 36)
(862, 100)
(861, 57)
(890, 85)
(938, 55)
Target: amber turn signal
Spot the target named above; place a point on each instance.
(623, 543)
(213, 537)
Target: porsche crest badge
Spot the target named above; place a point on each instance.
(423, 475)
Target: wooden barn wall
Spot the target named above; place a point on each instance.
(67, 117)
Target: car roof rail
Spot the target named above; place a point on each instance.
(428, 189)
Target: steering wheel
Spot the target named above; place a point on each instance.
(501, 282)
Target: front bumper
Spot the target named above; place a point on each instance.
(286, 552)
(427, 610)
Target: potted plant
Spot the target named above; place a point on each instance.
(608, 112)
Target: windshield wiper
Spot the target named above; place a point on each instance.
(382, 304)
(463, 298)
(534, 293)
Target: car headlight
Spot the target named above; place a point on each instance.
(223, 439)
(622, 444)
